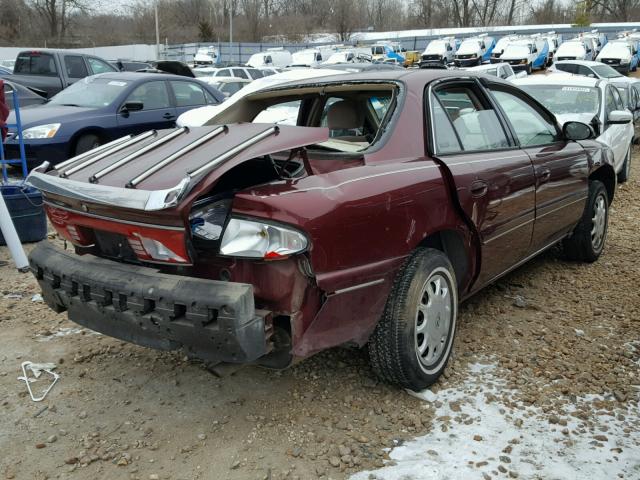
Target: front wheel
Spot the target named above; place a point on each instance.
(412, 342)
(87, 142)
(587, 240)
(529, 69)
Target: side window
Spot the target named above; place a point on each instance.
(569, 68)
(98, 66)
(211, 100)
(255, 73)
(225, 72)
(530, 126)
(187, 94)
(610, 101)
(475, 122)
(153, 95)
(444, 135)
(586, 71)
(74, 66)
(618, 99)
(239, 72)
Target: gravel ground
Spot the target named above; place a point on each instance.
(562, 338)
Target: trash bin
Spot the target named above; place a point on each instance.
(27, 212)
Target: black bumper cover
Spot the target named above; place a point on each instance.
(212, 320)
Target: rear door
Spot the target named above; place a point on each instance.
(189, 95)
(494, 180)
(74, 67)
(561, 166)
(158, 111)
(614, 135)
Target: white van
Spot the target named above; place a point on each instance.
(574, 49)
(441, 51)
(272, 57)
(527, 54)
(501, 44)
(310, 57)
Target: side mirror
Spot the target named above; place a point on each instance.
(131, 107)
(577, 131)
(535, 50)
(619, 117)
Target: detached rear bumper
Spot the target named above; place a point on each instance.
(212, 320)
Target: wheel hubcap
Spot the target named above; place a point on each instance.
(599, 222)
(433, 319)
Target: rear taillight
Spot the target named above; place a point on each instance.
(152, 243)
(153, 250)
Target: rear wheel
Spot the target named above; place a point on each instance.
(412, 342)
(87, 142)
(623, 176)
(587, 240)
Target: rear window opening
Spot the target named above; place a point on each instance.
(35, 63)
(356, 115)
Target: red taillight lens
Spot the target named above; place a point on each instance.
(153, 243)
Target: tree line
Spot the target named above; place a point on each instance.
(86, 23)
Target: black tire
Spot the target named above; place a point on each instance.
(479, 61)
(623, 176)
(86, 142)
(582, 245)
(529, 69)
(395, 346)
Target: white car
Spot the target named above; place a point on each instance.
(586, 68)
(500, 70)
(592, 101)
(227, 85)
(575, 49)
(238, 72)
(199, 116)
(618, 54)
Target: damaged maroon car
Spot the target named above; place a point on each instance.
(391, 198)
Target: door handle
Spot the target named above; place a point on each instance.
(479, 188)
(544, 174)
(168, 116)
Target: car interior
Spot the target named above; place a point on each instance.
(355, 116)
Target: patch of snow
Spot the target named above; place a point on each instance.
(476, 421)
(63, 332)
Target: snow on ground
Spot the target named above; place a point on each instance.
(480, 432)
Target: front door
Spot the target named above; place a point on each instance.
(494, 180)
(560, 166)
(157, 111)
(614, 135)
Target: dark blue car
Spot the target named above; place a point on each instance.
(101, 108)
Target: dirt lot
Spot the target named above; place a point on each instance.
(552, 349)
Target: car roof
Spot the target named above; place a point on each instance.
(484, 67)
(139, 76)
(559, 79)
(231, 79)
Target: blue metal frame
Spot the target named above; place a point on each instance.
(23, 157)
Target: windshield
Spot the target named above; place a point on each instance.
(571, 48)
(605, 71)
(377, 50)
(469, 46)
(517, 51)
(624, 93)
(90, 92)
(436, 47)
(566, 99)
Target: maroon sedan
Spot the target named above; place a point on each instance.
(392, 197)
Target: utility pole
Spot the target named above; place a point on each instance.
(230, 30)
(157, 31)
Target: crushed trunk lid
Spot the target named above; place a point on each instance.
(157, 169)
